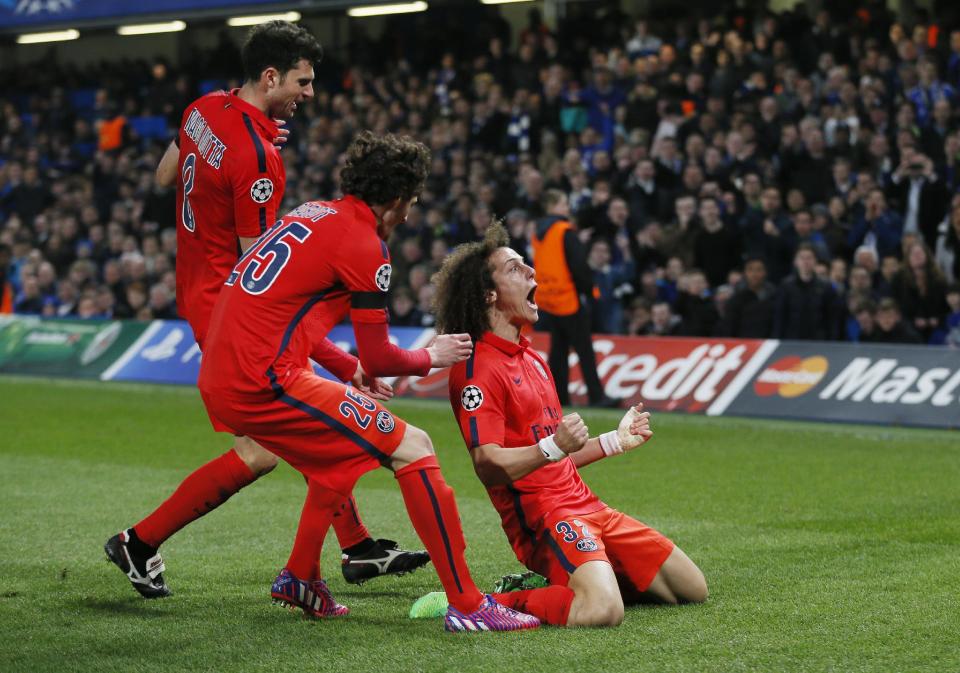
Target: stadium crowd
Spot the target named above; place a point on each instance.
(739, 175)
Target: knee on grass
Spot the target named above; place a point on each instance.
(602, 608)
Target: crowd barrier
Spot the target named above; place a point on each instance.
(803, 380)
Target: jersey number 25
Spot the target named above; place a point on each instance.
(260, 266)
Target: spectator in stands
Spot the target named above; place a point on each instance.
(890, 328)
(30, 300)
(920, 195)
(953, 317)
(749, 313)
(695, 306)
(948, 245)
(403, 309)
(716, 246)
(921, 290)
(613, 283)
(878, 227)
(161, 303)
(860, 324)
(640, 321)
(806, 306)
(664, 322)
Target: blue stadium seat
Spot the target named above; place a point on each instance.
(208, 85)
(150, 128)
(82, 99)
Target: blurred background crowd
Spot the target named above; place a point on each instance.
(743, 174)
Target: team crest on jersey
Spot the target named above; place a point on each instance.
(586, 544)
(543, 372)
(385, 422)
(382, 277)
(261, 190)
(471, 398)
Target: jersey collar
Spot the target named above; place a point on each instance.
(362, 211)
(269, 126)
(504, 345)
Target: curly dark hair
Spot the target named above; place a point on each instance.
(380, 169)
(462, 283)
(279, 44)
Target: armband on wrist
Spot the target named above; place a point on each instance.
(550, 450)
(610, 443)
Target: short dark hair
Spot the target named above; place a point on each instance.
(278, 44)
(552, 197)
(380, 169)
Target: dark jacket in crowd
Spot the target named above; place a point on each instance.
(806, 310)
(749, 314)
(902, 333)
(698, 315)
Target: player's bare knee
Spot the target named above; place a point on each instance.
(416, 445)
(695, 590)
(258, 459)
(599, 613)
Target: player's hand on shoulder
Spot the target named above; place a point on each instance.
(283, 134)
(449, 349)
(572, 433)
(634, 428)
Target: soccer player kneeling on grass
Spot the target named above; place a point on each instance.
(331, 258)
(527, 453)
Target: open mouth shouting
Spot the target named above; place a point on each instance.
(531, 301)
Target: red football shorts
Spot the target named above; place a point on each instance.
(635, 550)
(328, 432)
(199, 332)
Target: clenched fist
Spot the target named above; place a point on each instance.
(572, 434)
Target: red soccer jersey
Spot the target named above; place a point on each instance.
(231, 184)
(504, 395)
(322, 258)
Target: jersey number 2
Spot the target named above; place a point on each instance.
(187, 175)
(267, 258)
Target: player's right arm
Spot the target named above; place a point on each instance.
(479, 405)
(496, 465)
(167, 169)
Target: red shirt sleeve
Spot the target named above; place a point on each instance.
(336, 361)
(478, 403)
(363, 264)
(379, 357)
(256, 179)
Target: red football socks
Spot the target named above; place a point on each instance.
(318, 508)
(551, 605)
(347, 524)
(433, 511)
(204, 490)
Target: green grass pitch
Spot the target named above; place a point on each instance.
(826, 548)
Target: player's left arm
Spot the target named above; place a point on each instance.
(166, 173)
(634, 429)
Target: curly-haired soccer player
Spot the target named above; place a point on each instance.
(527, 454)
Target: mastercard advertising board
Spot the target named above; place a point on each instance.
(864, 383)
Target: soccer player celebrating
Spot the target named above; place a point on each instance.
(231, 181)
(527, 454)
(332, 258)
